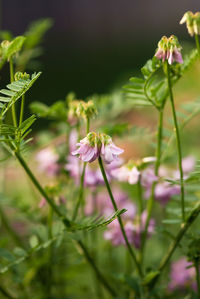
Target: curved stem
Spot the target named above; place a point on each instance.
(157, 165)
(5, 293)
(197, 43)
(11, 80)
(178, 142)
(132, 253)
(66, 222)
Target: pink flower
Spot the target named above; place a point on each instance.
(95, 145)
(88, 150)
(47, 160)
(182, 276)
(126, 174)
(169, 49)
(109, 151)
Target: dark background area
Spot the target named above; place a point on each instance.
(95, 44)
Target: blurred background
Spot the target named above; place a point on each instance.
(94, 46)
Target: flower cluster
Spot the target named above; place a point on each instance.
(192, 22)
(95, 145)
(82, 109)
(169, 49)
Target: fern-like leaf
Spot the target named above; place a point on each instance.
(14, 92)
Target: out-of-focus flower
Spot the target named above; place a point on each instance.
(181, 276)
(148, 177)
(164, 191)
(188, 165)
(47, 161)
(192, 22)
(89, 148)
(109, 151)
(169, 49)
(127, 173)
(101, 202)
(133, 229)
(79, 108)
(73, 137)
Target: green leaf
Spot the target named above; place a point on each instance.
(4, 253)
(15, 46)
(15, 90)
(98, 222)
(171, 221)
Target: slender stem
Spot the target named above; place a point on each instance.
(178, 142)
(197, 43)
(99, 275)
(66, 222)
(11, 80)
(140, 201)
(132, 253)
(157, 165)
(184, 227)
(197, 277)
(81, 191)
(5, 293)
(40, 189)
(10, 230)
(22, 110)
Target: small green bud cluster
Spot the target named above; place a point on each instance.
(21, 76)
(192, 22)
(82, 109)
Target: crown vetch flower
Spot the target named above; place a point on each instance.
(89, 148)
(109, 151)
(95, 145)
(48, 161)
(169, 49)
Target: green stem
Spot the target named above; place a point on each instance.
(66, 222)
(140, 201)
(5, 293)
(178, 142)
(81, 191)
(99, 275)
(197, 277)
(197, 43)
(10, 230)
(22, 110)
(132, 253)
(11, 80)
(184, 227)
(157, 165)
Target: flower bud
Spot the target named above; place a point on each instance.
(21, 76)
(82, 109)
(169, 49)
(192, 22)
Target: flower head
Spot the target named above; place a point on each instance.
(192, 22)
(89, 148)
(169, 49)
(109, 151)
(95, 145)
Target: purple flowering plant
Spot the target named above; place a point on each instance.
(86, 210)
